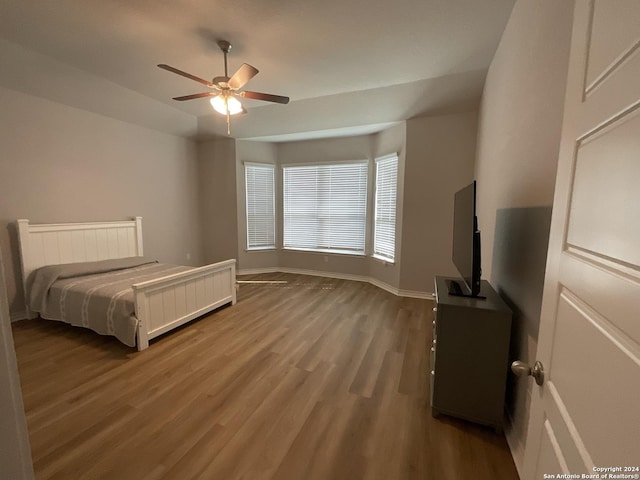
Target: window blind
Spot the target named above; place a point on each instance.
(384, 232)
(259, 183)
(325, 207)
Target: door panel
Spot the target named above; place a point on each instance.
(595, 371)
(610, 289)
(606, 173)
(613, 36)
(574, 453)
(611, 99)
(552, 457)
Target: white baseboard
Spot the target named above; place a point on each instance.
(341, 276)
(256, 271)
(320, 273)
(19, 315)
(417, 294)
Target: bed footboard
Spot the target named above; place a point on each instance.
(168, 302)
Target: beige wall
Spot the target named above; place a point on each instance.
(62, 164)
(217, 198)
(439, 161)
(518, 141)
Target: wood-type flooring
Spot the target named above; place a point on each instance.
(312, 378)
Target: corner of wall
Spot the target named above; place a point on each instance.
(218, 198)
(440, 154)
(518, 143)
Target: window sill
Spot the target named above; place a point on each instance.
(261, 249)
(383, 260)
(325, 252)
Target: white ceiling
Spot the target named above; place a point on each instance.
(349, 66)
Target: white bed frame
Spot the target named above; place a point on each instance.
(161, 304)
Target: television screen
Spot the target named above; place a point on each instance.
(466, 240)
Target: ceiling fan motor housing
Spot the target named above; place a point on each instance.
(221, 82)
(224, 46)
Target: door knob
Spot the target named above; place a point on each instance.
(522, 369)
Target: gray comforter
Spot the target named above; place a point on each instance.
(95, 295)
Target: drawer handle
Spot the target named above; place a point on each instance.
(435, 309)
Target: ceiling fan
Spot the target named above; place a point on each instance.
(225, 89)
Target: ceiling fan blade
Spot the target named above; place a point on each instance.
(267, 97)
(188, 75)
(245, 73)
(195, 95)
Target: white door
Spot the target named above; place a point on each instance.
(586, 415)
(15, 452)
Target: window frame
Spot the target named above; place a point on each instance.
(364, 164)
(376, 253)
(272, 168)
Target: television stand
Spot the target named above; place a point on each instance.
(469, 358)
(454, 288)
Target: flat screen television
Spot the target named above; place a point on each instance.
(466, 243)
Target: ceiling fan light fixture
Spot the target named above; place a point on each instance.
(222, 104)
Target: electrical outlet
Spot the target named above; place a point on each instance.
(188, 255)
(326, 259)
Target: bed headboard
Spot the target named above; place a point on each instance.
(55, 243)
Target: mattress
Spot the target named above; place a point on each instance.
(95, 295)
